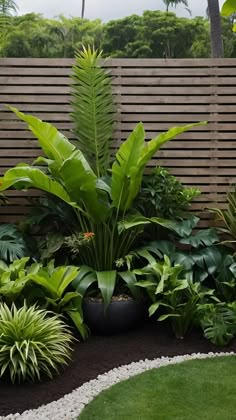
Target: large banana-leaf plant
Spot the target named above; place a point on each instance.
(103, 206)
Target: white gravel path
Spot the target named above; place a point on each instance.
(70, 406)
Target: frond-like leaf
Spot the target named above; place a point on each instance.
(93, 110)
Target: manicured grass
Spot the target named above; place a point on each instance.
(193, 390)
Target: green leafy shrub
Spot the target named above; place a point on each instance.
(162, 195)
(50, 221)
(32, 342)
(48, 286)
(173, 296)
(196, 252)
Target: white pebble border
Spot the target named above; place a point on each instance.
(70, 406)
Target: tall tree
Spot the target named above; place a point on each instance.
(215, 29)
(82, 9)
(174, 3)
(8, 7)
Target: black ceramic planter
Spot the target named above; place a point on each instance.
(119, 316)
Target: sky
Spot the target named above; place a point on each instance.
(105, 9)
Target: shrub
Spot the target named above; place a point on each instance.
(173, 294)
(32, 342)
(163, 195)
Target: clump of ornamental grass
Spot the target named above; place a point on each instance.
(32, 342)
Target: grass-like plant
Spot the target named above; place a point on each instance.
(32, 342)
(228, 219)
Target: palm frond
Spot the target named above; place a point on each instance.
(93, 110)
(8, 7)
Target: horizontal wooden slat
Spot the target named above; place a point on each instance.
(161, 93)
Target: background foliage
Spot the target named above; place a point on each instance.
(154, 34)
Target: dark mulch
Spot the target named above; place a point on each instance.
(98, 355)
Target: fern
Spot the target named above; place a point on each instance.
(93, 110)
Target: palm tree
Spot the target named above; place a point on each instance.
(215, 24)
(83, 9)
(8, 7)
(174, 3)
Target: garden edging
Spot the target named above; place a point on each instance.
(70, 406)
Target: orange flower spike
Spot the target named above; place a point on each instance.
(88, 235)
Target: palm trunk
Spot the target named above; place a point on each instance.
(83, 9)
(215, 24)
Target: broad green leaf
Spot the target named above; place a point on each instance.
(24, 177)
(153, 308)
(138, 220)
(63, 277)
(184, 259)
(185, 227)
(125, 185)
(209, 258)
(144, 253)
(145, 283)
(228, 8)
(131, 281)
(79, 322)
(165, 247)
(203, 237)
(58, 281)
(161, 285)
(43, 280)
(81, 184)
(183, 284)
(106, 284)
(164, 317)
(69, 296)
(153, 145)
(131, 159)
(54, 144)
(84, 279)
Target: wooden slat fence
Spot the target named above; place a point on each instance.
(161, 93)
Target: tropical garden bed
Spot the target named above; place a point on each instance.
(108, 248)
(98, 355)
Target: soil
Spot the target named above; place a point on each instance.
(98, 355)
(114, 298)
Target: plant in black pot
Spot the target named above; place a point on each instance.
(101, 195)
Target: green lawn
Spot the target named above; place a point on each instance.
(193, 390)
